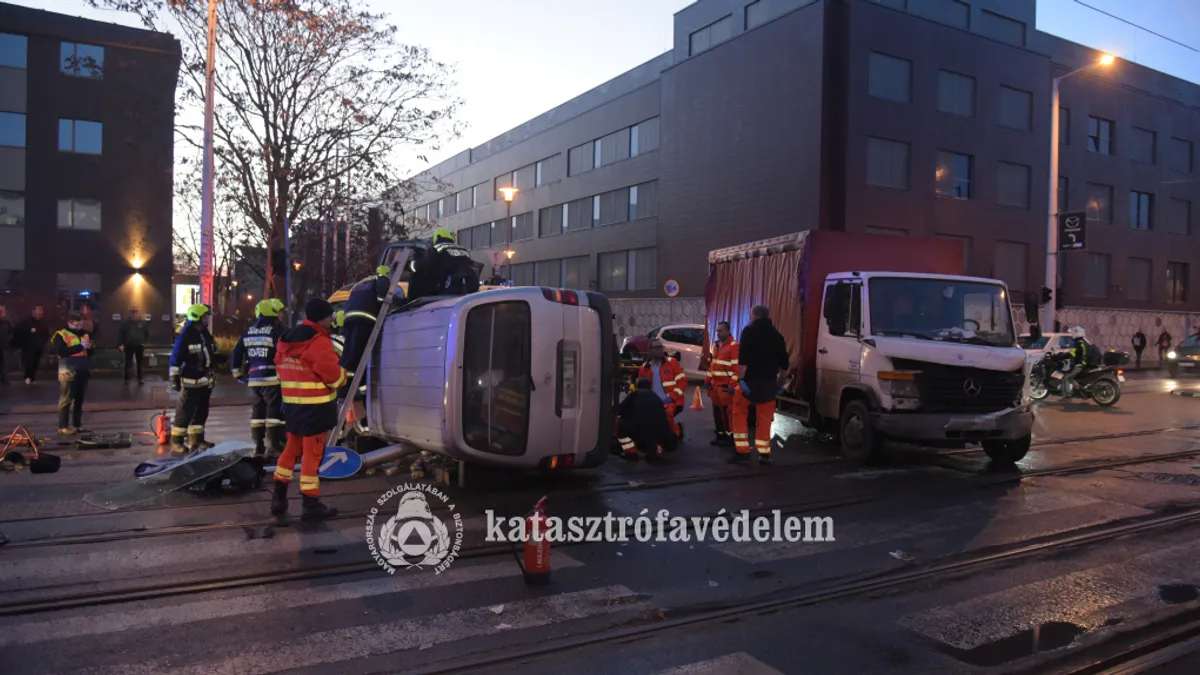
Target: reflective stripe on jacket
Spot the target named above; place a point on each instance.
(723, 369)
(309, 377)
(366, 298)
(673, 379)
(71, 351)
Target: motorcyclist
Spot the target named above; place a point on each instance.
(1079, 353)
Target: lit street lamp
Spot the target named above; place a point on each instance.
(509, 193)
(1052, 221)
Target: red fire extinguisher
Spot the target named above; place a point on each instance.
(162, 428)
(537, 546)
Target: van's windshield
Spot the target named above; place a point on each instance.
(939, 309)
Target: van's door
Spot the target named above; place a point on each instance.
(508, 376)
(838, 350)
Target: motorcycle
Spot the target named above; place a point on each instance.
(1101, 384)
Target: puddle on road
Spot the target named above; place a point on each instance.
(1177, 594)
(1046, 637)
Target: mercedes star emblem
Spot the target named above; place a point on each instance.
(971, 387)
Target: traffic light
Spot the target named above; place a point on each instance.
(1046, 294)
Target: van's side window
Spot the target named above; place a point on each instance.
(496, 377)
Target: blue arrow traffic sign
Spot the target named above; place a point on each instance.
(337, 463)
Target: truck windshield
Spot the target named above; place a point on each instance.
(938, 309)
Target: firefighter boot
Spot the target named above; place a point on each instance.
(177, 446)
(279, 500)
(197, 443)
(314, 510)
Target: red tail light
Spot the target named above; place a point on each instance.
(561, 295)
(557, 462)
(1120, 372)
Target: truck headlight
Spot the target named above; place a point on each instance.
(899, 384)
(1171, 354)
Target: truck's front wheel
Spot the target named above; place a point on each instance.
(860, 441)
(1007, 452)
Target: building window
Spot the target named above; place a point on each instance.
(710, 36)
(525, 178)
(596, 211)
(12, 50)
(1138, 285)
(1011, 264)
(462, 200)
(642, 271)
(643, 137)
(1064, 126)
(950, 12)
(576, 272)
(80, 136)
(1064, 189)
(1141, 210)
(1012, 185)
(887, 163)
(481, 236)
(552, 220)
(646, 195)
(597, 154)
(956, 94)
(1179, 216)
(889, 78)
(614, 271)
(78, 214)
(1002, 28)
(1141, 146)
(539, 178)
(756, 13)
(1177, 283)
(580, 159)
(523, 226)
(12, 129)
(633, 203)
(12, 209)
(548, 273)
(1096, 275)
(1016, 109)
(953, 176)
(1181, 155)
(81, 60)
(1099, 202)
(1100, 135)
(523, 274)
(441, 208)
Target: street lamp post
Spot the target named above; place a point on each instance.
(1052, 221)
(206, 191)
(509, 193)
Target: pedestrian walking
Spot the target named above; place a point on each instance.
(31, 337)
(253, 362)
(6, 338)
(73, 347)
(762, 366)
(309, 377)
(88, 321)
(193, 376)
(131, 338)
(722, 376)
(1139, 345)
(1164, 346)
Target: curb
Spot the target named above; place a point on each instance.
(1188, 394)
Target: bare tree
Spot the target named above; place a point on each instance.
(315, 101)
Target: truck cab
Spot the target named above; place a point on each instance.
(930, 359)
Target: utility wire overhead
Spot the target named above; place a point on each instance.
(1139, 27)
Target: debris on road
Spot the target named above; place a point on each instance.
(901, 555)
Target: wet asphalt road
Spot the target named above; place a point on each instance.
(937, 563)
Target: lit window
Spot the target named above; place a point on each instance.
(78, 214)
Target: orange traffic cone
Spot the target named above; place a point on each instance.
(697, 404)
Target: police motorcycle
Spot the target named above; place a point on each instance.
(1101, 384)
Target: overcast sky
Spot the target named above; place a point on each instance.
(518, 58)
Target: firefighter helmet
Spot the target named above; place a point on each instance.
(384, 270)
(443, 235)
(197, 312)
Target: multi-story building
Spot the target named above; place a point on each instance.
(86, 157)
(917, 117)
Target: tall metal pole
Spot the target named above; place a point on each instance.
(1052, 219)
(206, 204)
(346, 210)
(508, 224)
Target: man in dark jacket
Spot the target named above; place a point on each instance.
(72, 346)
(6, 337)
(309, 376)
(31, 337)
(762, 366)
(642, 424)
(1139, 346)
(448, 271)
(193, 376)
(253, 362)
(131, 339)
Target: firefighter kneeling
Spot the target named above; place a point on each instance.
(667, 380)
(642, 424)
(309, 376)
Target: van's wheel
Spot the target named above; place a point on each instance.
(1007, 452)
(860, 441)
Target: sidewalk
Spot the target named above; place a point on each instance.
(105, 393)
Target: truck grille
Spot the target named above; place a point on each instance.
(954, 389)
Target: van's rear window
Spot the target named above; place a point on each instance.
(496, 377)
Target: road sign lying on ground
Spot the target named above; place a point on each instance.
(337, 463)
(192, 469)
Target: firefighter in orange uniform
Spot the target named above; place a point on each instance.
(667, 380)
(722, 375)
(309, 378)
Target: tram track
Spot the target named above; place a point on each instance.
(312, 572)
